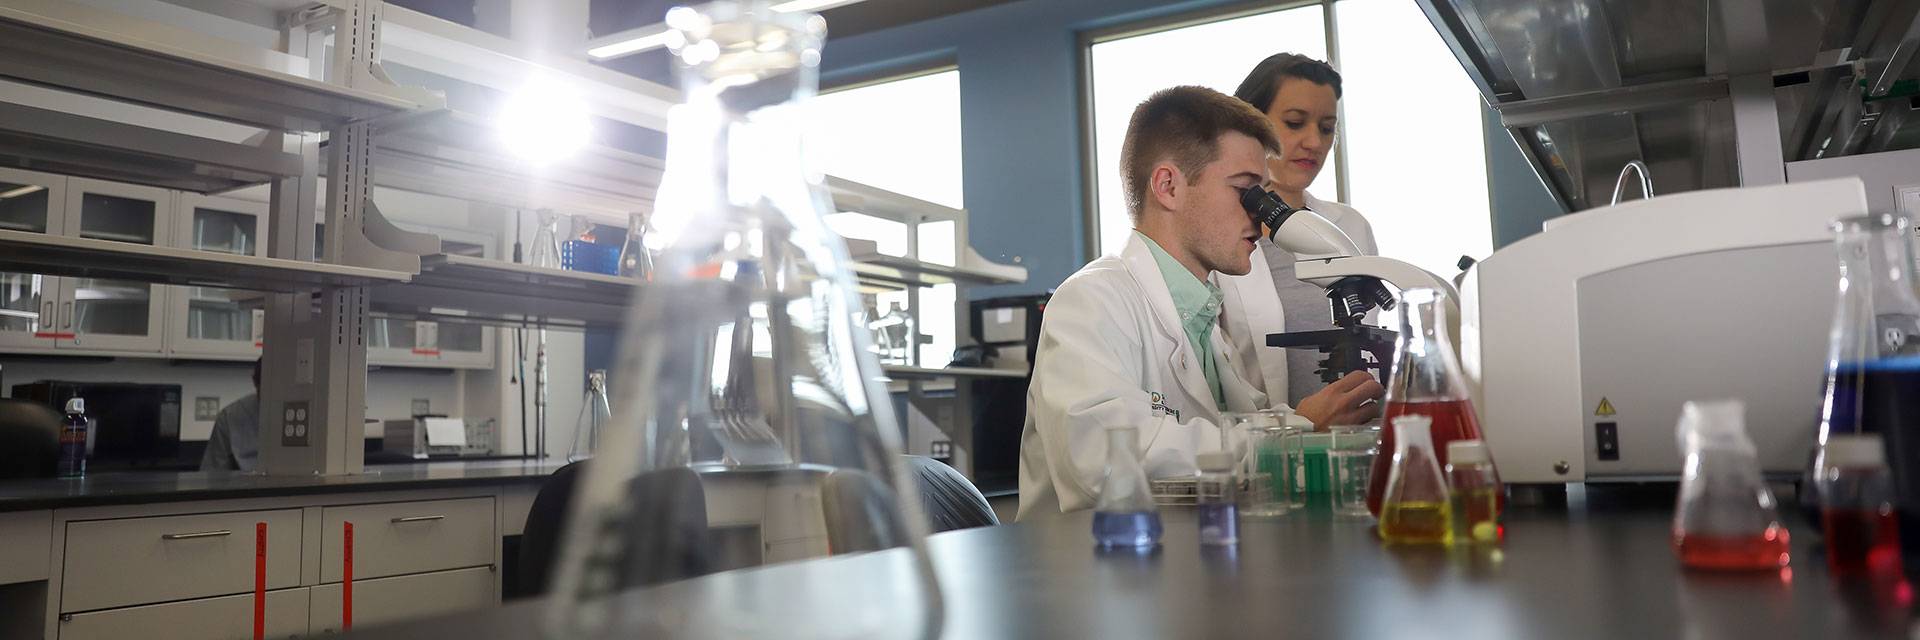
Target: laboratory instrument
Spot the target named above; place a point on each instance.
(1350, 458)
(1415, 509)
(1473, 490)
(1583, 341)
(1355, 285)
(1271, 448)
(1857, 515)
(1426, 382)
(73, 440)
(1873, 358)
(1725, 517)
(753, 427)
(1125, 515)
(595, 413)
(1218, 491)
(634, 261)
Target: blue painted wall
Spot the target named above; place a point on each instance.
(1020, 85)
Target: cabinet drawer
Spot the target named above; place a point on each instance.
(26, 542)
(224, 618)
(412, 597)
(408, 537)
(115, 563)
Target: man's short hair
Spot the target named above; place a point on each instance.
(1184, 125)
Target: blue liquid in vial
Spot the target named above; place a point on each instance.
(1219, 523)
(1129, 529)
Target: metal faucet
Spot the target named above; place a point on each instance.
(1646, 183)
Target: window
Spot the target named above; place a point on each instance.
(902, 135)
(1216, 55)
(1402, 88)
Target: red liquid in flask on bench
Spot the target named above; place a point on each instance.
(1764, 550)
(1452, 420)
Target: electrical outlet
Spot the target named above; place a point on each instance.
(206, 408)
(422, 406)
(940, 450)
(293, 428)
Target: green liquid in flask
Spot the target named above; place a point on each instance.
(1415, 523)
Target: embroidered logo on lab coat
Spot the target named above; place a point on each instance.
(1160, 407)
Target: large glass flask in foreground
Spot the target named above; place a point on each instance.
(1426, 381)
(750, 427)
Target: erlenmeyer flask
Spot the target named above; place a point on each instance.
(1725, 518)
(753, 428)
(546, 241)
(634, 261)
(1124, 515)
(1426, 381)
(1873, 358)
(1414, 509)
(595, 413)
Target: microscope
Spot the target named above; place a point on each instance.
(1355, 284)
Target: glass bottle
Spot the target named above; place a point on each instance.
(1473, 491)
(1426, 381)
(546, 241)
(634, 261)
(595, 413)
(1218, 494)
(753, 428)
(1726, 517)
(1414, 508)
(1856, 507)
(1873, 358)
(1124, 515)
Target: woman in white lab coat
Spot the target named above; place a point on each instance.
(1300, 97)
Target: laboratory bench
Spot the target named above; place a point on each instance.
(179, 554)
(1599, 566)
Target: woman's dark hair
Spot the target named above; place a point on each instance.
(1264, 81)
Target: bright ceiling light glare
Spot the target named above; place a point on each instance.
(629, 46)
(20, 191)
(810, 5)
(544, 122)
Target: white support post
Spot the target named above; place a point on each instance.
(1756, 115)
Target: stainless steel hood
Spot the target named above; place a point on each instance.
(1692, 87)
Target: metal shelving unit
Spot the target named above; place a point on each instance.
(90, 258)
(476, 289)
(51, 51)
(458, 155)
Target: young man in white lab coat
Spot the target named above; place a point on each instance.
(1130, 340)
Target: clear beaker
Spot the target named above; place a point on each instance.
(1725, 517)
(1273, 449)
(1125, 515)
(1350, 458)
(1873, 359)
(1414, 508)
(1426, 381)
(754, 428)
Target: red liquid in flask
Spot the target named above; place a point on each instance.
(1452, 420)
(1764, 550)
(1861, 541)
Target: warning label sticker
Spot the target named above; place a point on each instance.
(1605, 409)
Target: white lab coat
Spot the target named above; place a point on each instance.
(1112, 353)
(1252, 307)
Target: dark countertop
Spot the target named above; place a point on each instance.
(142, 487)
(1591, 570)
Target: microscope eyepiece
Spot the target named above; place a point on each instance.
(1266, 208)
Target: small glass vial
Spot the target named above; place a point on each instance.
(1856, 507)
(1473, 493)
(1219, 498)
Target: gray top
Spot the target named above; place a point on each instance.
(235, 443)
(1305, 307)
(143, 487)
(1604, 572)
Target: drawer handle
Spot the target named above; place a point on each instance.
(202, 534)
(417, 519)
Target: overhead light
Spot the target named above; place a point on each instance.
(630, 42)
(655, 36)
(810, 5)
(544, 122)
(21, 191)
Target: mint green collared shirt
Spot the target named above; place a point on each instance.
(1198, 303)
